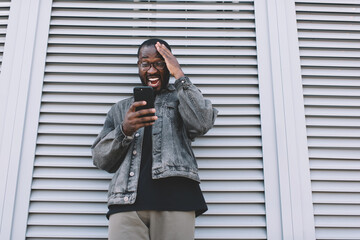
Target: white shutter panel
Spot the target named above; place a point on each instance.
(91, 64)
(4, 16)
(329, 33)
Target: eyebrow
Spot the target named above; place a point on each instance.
(159, 58)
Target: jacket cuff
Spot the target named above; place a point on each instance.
(120, 135)
(182, 83)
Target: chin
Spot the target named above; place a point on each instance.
(157, 89)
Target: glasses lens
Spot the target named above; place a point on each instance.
(160, 65)
(145, 65)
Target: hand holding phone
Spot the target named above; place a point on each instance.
(133, 120)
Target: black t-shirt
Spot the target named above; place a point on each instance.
(166, 194)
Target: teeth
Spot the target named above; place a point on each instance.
(153, 82)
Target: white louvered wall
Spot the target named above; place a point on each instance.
(329, 33)
(4, 15)
(91, 64)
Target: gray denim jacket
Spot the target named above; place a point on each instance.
(183, 114)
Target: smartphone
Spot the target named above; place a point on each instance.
(144, 93)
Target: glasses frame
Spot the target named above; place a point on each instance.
(151, 64)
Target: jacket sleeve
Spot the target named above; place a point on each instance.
(110, 146)
(197, 113)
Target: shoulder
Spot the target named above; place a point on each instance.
(170, 93)
(121, 105)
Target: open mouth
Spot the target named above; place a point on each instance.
(153, 82)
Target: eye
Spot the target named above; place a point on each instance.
(144, 64)
(160, 64)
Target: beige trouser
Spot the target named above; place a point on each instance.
(154, 225)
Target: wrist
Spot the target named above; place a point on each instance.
(126, 133)
(179, 74)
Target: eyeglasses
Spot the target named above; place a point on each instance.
(158, 65)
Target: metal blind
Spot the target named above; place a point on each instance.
(91, 64)
(329, 33)
(4, 16)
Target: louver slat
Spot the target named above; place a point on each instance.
(91, 64)
(329, 49)
(4, 15)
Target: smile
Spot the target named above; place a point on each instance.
(153, 82)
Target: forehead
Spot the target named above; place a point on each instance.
(149, 52)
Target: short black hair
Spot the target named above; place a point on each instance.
(152, 42)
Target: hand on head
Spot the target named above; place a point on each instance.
(170, 60)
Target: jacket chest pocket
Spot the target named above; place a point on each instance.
(171, 111)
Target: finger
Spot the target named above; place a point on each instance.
(149, 119)
(136, 104)
(162, 47)
(142, 119)
(163, 50)
(145, 111)
(145, 124)
(149, 124)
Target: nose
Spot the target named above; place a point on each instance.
(152, 69)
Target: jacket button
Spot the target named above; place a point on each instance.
(137, 134)
(126, 199)
(134, 152)
(132, 174)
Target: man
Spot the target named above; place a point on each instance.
(154, 193)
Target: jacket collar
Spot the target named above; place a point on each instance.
(169, 88)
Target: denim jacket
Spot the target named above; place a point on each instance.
(183, 114)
